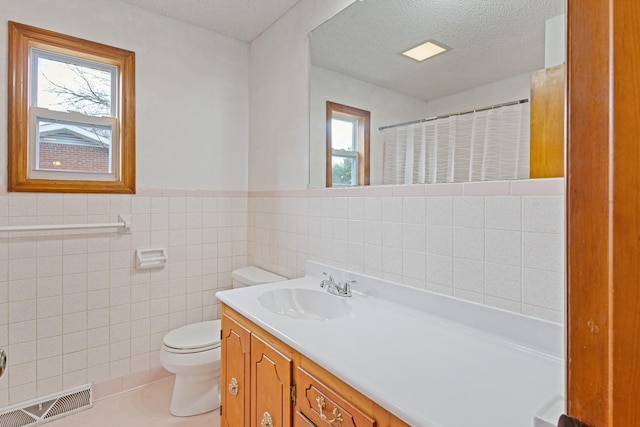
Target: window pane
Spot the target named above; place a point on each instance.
(343, 170)
(66, 86)
(73, 147)
(343, 134)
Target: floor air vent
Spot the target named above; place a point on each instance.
(48, 408)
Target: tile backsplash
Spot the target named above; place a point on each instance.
(73, 309)
(496, 243)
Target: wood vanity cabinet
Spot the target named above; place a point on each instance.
(255, 377)
(266, 383)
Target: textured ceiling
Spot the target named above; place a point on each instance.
(241, 19)
(490, 39)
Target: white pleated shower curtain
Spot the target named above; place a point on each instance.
(480, 146)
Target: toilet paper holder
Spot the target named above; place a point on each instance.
(151, 258)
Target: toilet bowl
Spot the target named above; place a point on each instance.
(192, 353)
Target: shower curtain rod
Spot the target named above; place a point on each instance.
(505, 104)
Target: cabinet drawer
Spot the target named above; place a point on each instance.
(300, 420)
(324, 407)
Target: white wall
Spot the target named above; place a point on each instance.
(192, 96)
(512, 89)
(279, 74)
(555, 41)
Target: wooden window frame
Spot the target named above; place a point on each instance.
(364, 132)
(21, 39)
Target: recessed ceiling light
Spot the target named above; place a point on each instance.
(425, 50)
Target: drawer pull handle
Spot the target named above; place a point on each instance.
(266, 420)
(233, 387)
(337, 416)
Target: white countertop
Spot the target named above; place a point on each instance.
(468, 365)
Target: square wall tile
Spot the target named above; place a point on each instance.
(414, 237)
(356, 208)
(504, 247)
(49, 205)
(469, 212)
(22, 311)
(469, 243)
(392, 209)
(543, 288)
(440, 270)
(22, 332)
(440, 211)
(392, 235)
(373, 233)
(414, 210)
(440, 240)
(543, 251)
(21, 290)
(468, 275)
(372, 257)
(392, 260)
(414, 265)
(543, 214)
(503, 213)
(21, 205)
(503, 281)
(373, 208)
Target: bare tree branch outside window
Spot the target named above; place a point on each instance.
(79, 89)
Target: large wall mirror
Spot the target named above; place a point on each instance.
(493, 46)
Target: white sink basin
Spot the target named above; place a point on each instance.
(305, 304)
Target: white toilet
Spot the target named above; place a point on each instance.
(192, 352)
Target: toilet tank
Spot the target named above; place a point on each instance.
(248, 276)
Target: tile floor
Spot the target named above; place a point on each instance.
(141, 407)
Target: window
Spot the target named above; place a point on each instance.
(347, 145)
(71, 114)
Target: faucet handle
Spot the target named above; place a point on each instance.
(327, 281)
(346, 288)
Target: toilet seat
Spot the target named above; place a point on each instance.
(193, 338)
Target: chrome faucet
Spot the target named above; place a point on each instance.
(335, 288)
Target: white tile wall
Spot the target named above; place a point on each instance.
(73, 309)
(500, 244)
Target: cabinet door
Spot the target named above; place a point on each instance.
(234, 374)
(547, 122)
(271, 373)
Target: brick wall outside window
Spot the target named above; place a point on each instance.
(73, 157)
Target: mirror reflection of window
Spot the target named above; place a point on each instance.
(347, 145)
(344, 150)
